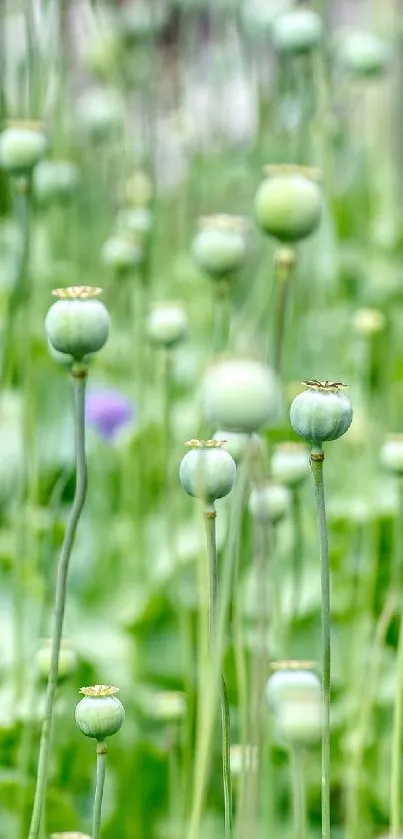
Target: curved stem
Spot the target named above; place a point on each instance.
(298, 792)
(317, 458)
(79, 379)
(210, 523)
(102, 750)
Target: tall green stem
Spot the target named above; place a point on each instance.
(102, 751)
(284, 261)
(298, 792)
(210, 522)
(220, 315)
(396, 769)
(79, 374)
(317, 458)
(20, 293)
(297, 549)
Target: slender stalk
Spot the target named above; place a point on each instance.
(208, 707)
(298, 792)
(20, 293)
(210, 523)
(79, 374)
(396, 758)
(317, 458)
(102, 751)
(220, 316)
(396, 762)
(362, 725)
(284, 262)
(297, 549)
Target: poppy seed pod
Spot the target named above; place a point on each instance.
(293, 693)
(121, 253)
(241, 395)
(219, 247)
(391, 454)
(67, 660)
(288, 203)
(167, 324)
(207, 471)
(77, 324)
(235, 442)
(269, 503)
(100, 114)
(55, 181)
(21, 147)
(290, 463)
(99, 714)
(362, 53)
(321, 413)
(297, 32)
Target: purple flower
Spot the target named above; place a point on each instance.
(108, 411)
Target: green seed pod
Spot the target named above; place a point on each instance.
(138, 190)
(219, 247)
(258, 17)
(362, 54)
(293, 693)
(100, 714)
(121, 253)
(241, 395)
(55, 181)
(137, 221)
(297, 32)
(288, 203)
(100, 114)
(290, 463)
(237, 443)
(77, 324)
(269, 503)
(167, 324)
(207, 471)
(138, 21)
(67, 660)
(167, 705)
(22, 145)
(321, 413)
(391, 454)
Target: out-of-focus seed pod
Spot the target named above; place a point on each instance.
(297, 32)
(269, 502)
(290, 463)
(167, 324)
(369, 321)
(207, 471)
(391, 454)
(55, 181)
(67, 660)
(100, 114)
(77, 324)
(220, 245)
(293, 693)
(362, 54)
(238, 442)
(288, 203)
(100, 713)
(241, 395)
(321, 413)
(121, 252)
(22, 145)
